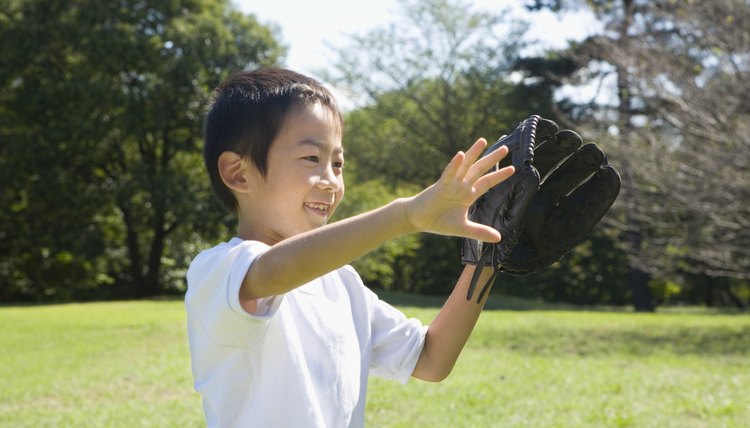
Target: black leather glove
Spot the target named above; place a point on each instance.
(559, 192)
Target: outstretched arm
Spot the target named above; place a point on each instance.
(449, 331)
(441, 209)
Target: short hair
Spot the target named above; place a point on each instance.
(246, 113)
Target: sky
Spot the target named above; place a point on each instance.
(306, 26)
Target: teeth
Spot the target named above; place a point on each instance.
(322, 207)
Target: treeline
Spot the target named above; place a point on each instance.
(104, 193)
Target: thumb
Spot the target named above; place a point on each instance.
(481, 232)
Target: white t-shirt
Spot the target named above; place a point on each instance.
(304, 358)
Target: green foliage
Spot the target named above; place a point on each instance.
(382, 267)
(100, 118)
(677, 75)
(104, 192)
(459, 88)
(432, 83)
(408, 136)
(592, 273)
(432, 86)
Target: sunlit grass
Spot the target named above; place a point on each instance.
(126, 364)
(583, 369)
(101, 364)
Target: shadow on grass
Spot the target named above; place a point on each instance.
(620, 339)
(590, 335)
(510, 303)
(495, 302)
(156, 299)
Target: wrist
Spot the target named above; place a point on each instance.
(403, 217)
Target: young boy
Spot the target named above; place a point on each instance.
(282, 331)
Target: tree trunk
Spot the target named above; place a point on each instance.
(709, 292)
(643, 300)
(637, 278)
(152, 285)
(134, 254)
(730, 296)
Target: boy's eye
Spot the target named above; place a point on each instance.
(338, 165)
(312, 159)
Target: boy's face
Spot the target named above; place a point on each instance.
(304, 182)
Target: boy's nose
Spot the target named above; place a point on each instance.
(329, 181)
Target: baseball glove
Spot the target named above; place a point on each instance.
(504, 206)
(559, 192)
(578, 187)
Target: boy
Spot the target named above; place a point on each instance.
(282, 331)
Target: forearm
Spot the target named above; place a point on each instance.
(302, 258)
(451, 328)
(441, 209)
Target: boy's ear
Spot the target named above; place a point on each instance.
(234, 172)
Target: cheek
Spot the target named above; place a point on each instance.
(339, 194)
(298, 180)
(342, 188)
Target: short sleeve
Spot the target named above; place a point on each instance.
(214, 279)
(397, 342)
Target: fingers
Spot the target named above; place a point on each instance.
(473, 168)
(474, 152)
(471, 164)
(488, 181)
(486, 163)
(481, 232)
(454, 166)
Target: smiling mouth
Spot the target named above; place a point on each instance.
(321, 208)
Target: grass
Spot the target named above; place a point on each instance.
(122, 364)
(126, 364)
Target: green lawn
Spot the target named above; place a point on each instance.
(126, 364)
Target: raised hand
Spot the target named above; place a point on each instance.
(443, 207)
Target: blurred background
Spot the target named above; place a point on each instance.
(104, 195)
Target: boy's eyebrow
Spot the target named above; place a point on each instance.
(319, 144)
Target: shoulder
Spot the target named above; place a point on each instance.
(355, 287)
(233, 246)
(351, 279)
(347, 272)
(212, 297)
(224, 254)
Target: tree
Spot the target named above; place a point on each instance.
(429, 85)
(692, 79)
(680, 76)
(100, 116)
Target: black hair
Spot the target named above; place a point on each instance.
(246, 113)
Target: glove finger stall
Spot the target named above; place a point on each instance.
(553, 151)
(567, 224)
(564, 180)
(583, 208)
(571, 173)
